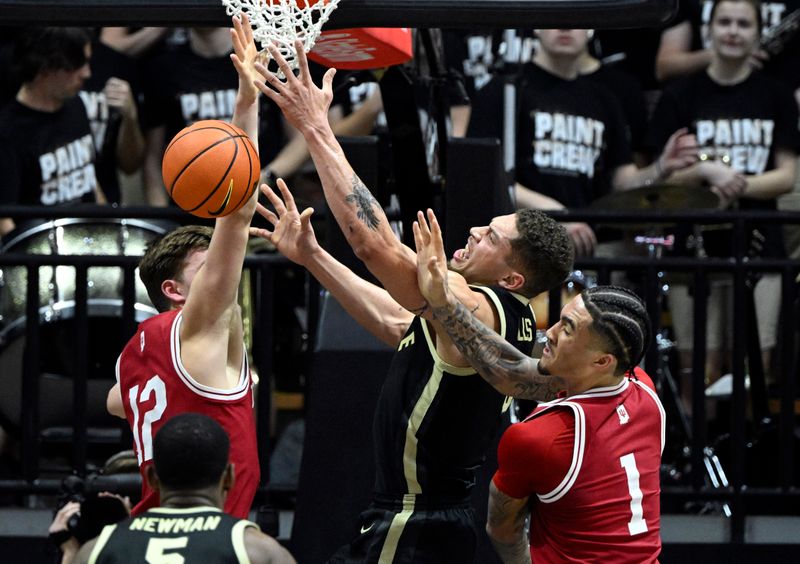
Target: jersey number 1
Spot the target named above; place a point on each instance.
(637, 524)
(143, 429)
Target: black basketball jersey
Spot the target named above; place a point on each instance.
(194, 534)
(433, 421)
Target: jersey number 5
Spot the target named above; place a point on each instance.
(637, 524)
(157, 550)
(143, 426)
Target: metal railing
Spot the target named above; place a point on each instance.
(737, 495)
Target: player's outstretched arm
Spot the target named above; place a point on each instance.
(505, 526)
(292, 234)
(360, 216)
(509, 371)
(211, 332)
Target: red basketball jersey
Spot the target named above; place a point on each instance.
(606, 508)
(155, 386)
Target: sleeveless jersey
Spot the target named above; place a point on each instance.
(606, 508)
(433, 421)
(166, 534)
(155, 386)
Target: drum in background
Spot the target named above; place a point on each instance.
(115, 237)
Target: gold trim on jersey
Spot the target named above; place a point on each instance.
(237, 539)
(414, 422)
(100, 544)
(396, 528)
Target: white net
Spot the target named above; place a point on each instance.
(282, 21)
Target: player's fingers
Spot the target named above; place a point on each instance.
(269, 77)
(302, 61)
(282, 63)
(424, 232)
(273, 198)
(327, 80)
(266, 213)
(419, 240)
(305, 217)
(436, 230)
(288, 199)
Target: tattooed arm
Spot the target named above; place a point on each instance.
(505, 526)
(509, 371)
(359, 215)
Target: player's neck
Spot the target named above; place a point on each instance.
(606, 380)
(35, 96)
(179, 500)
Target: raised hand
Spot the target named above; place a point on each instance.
(304, 105)
(292, 232)
(431, 260)
(119, 96)
(244, 57)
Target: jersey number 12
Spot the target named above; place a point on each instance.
(143, 426)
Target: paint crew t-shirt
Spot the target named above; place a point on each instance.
(46, 158)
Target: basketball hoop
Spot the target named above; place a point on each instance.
(280, 22)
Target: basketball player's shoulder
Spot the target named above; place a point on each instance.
(263, 549)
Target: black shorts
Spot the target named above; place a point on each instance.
(406, 531)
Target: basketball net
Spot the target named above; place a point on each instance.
(280, 22)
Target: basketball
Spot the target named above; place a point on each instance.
(211, 168)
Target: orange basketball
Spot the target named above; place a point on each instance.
(210, 168)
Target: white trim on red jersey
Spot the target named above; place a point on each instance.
(580, 433)
(656, 399)
(202, 390)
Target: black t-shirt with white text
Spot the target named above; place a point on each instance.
(741, 124)
(571, 134)
(46, 159)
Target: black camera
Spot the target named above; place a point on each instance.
(96, 511)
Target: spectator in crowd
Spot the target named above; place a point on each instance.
(191, 356)
(627, 91)
(584, 467)
(572, 140)
(746, 127)
(113, 114)
(47, 155)
(423, 477)
(193, 476)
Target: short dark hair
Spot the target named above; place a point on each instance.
(166, 256)
(756, 4)
(542, 252)
(620, 318)
(190, 451)
(41, 49)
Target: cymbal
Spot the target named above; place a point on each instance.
(659, 197)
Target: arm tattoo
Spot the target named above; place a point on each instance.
(364, 201)
(517, 551)
(497, 361)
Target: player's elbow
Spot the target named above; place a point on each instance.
(114, 403)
